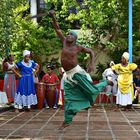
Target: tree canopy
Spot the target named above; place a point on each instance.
(106, 20)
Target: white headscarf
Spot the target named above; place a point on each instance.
(126, 55)
(26, 52)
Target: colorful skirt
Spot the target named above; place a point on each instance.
(10, 86)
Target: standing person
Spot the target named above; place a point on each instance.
(52, 79)
(25, 94)
(9, 78)
(80, 93)
(61, 87)
(125, 82)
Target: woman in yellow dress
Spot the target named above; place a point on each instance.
(125, 81)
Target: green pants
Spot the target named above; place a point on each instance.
(80, 96)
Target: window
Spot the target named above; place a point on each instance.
(42, 4)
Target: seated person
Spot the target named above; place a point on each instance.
(110, 75)
(51, 78)
(137, 86)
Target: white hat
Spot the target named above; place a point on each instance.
(126, 55)
(26, 52)
(112, 63)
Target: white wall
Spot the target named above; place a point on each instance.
(33, 9)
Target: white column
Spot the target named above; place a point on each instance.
(33, 9)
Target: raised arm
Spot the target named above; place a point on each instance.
(91, 64)
(56, 25)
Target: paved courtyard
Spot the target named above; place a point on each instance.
(93, 124)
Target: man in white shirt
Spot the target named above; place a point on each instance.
(110, 75)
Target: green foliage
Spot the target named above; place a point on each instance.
(1, 73)
(6, 25)
(18, 32)
(29, 35)
(100, 69)
(107, 22)
(136, 28)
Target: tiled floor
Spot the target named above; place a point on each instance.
(95, 124)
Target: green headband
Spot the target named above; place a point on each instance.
(73, 33)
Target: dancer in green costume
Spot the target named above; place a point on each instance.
(80, 93)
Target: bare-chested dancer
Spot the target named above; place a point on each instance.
(80, 93)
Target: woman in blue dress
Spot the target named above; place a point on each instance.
(25, 94)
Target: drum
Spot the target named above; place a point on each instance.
(51, 94)
(40, 93)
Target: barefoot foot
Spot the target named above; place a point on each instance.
(116, 110)
(64, 125)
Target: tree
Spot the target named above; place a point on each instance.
(6, 25)
(18, 32)
(107, 21)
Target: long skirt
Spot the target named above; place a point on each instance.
(25, 94)
(10, 86)
(123, 99)
(80, 96)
